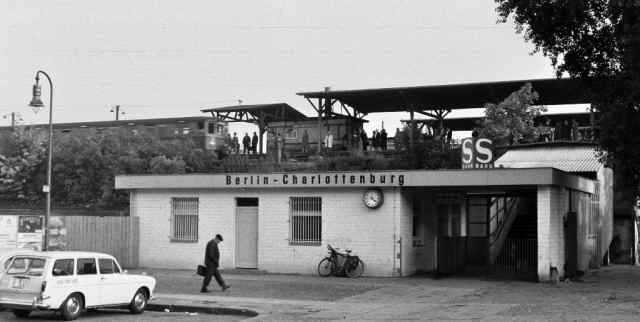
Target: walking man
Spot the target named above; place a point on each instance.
(212, 261)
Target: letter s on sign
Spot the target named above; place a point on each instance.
(483, 148)
(467, 150)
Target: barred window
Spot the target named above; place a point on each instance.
(184, 219)
(305, 220)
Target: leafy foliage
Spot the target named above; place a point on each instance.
(511, 121)
(597, 41)
(84, 167)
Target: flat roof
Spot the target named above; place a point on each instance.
(497, 177)
(272, 111)
(552, 91)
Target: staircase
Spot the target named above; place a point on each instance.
(501, 220)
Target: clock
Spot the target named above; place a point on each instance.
(373, 198)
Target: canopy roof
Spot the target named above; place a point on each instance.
(469, 123)
(257, 113)
(453, 96)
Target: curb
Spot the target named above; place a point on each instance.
(200, 309)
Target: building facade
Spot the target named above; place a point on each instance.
(446, 221)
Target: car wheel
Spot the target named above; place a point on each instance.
(21, 313)
(139, 302)
(72, 307)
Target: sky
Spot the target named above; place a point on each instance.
(174, 58)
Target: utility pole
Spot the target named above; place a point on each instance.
(13, 119)
(117, 111)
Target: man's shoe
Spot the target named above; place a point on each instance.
(226, 287)
(204, 290)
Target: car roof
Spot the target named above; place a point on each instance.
(63, 254)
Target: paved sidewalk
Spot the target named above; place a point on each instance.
(610, 294)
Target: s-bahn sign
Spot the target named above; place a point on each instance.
(477, 153)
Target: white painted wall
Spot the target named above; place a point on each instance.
(347, 223)
(552, 206)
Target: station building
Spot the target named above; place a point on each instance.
(521, 216)
(526, 223)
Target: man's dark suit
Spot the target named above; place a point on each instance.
(212, 261)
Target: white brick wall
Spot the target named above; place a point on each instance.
(346, 223)
(552, 206)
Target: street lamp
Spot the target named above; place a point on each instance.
(37, 103)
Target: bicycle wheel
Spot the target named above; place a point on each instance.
(326, 267)
(355, 268)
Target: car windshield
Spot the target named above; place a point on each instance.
(32, 266)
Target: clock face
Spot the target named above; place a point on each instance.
(373, 198)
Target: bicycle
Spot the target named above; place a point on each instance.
(338, 264)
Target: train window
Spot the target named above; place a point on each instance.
(176, 131)
(200, 125)
(291, 134)
(185, 130)
(211, 128)
(220, 128)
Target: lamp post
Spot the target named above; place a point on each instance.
(36, 102)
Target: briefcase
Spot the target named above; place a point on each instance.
(201, 270)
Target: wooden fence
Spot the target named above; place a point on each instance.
(117, 236)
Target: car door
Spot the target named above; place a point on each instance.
(89, 281)
(116, 289)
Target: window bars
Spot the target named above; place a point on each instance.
(305, 221)
(184, 219)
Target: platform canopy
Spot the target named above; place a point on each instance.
(451, 96)
(259, 114)
(471, 122)
(256, 113)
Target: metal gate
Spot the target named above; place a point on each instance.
(518, 259)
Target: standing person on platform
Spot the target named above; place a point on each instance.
(305, 141)
(279, 146)
(246, 143)
(328, 141)
(254, 143)
(375, 138)
(383, 140)
(364, 139)
(236, 143)
(212, 262)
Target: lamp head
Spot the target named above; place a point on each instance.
(36, 101)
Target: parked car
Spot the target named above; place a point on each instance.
(70, 282)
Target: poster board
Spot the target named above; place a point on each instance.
(30, 232)
(8, 231)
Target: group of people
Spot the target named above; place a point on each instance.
(378, 140)
(249, 144)
(560, 131)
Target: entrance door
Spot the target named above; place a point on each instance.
(247, 232)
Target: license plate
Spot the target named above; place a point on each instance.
(18, 283)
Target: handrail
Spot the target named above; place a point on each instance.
(500, 224)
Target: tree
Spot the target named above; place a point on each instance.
(22, 154)
(84, 166)
(511, 121)
(598, 42)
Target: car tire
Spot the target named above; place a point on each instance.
(71, 308)
(21, 313)
(138, 302)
